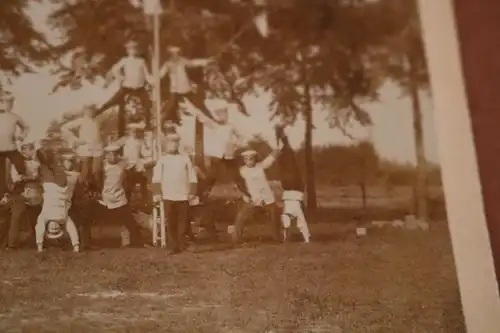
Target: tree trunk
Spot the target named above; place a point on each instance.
(199, 145)
(311, 202)
(421, 172)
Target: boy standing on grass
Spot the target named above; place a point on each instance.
(174, 183)
(114, 198)
(132, 71)
(257, 192)
(134, 167)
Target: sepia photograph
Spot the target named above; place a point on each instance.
(221, 166)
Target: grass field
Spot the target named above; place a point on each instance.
(388, 281)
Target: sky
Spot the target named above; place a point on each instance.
(391, 134)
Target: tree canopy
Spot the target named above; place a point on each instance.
(21, 45)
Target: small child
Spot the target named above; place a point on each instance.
(257, 192)
(88, 144)
(174, 183)
(133, 73)
(293, 188)
(56, 203)
(114, 198)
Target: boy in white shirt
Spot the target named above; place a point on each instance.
(56, 202)
(257, 192)
(89, 147)
(114, 198)
(181, 86)
(133, 73)
(224, 142)
(174, 183)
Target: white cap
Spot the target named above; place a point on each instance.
(249, 152)
(113, 147)
(54, 230)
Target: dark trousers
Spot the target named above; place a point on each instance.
(135, 177)
(17, 160)
(247, 211)
(119, 99)
(125, 216)
(216, 167)
(176, 214)
(90, 173)
(23, 217)
(172, 112)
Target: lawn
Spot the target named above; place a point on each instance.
(387, 281)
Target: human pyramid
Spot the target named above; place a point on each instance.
(51, 187)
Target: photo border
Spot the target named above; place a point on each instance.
(464, 203)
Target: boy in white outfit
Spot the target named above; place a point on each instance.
(54, 217)
(257, 192)
(174, 183)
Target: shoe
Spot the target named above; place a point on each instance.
(76, 248)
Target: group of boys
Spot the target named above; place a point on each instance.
(131, 160)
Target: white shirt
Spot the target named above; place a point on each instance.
(132, 151)
(134, 71)
(113, 193)
(32, 170)
(223, 142)
(179, 80)
(175, 174)
(256, 182)
(55, 202)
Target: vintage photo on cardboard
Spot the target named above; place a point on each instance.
(220, 166)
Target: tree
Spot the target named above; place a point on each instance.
(21, 45)
(403, 60)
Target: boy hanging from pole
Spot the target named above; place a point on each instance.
(132, 71)
(181, 87)
(293, 187)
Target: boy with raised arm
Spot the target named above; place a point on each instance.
(257, 192)
(133, 73)
(174, 183)
(181, 86)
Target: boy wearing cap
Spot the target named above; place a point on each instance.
(257, 192)
(9, 122)
(174, 183)
(181, 86)
(88, 144)
(114, 197)
(132, 71)
(56, 202)
(132, 155)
